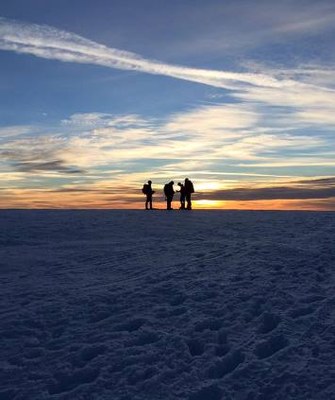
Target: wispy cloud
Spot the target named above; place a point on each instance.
(293, 190)
(215, 135)
(55, 165)
(36, 155)
(250, 25)
(302, 96)
(307, 22)
(51, 43)
(7, 132)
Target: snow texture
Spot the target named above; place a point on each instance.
(201, 305)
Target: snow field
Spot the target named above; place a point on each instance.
(205, 305)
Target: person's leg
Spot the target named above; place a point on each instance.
(189, 202)
(150, 202)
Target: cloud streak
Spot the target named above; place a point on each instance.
(299, 190)
(309, 98)
(50, 43)
(216, 136)
(55, 165)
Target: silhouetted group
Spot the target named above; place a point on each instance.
(185, 189)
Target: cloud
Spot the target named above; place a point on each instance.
(301, 96)
(217, 136)
(14, 131)
(51, 43)
(216, 119)
(55, 165)
(298, 190)
(307, 23)
(311, 102)
(248, 25)
(37, 155)
(322, 182)
(314, 160)
(89, 121)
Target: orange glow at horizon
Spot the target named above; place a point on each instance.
(44, 199)
(208, 204)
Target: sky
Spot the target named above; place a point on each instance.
(97, 97)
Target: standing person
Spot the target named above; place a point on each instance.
(189, 189)
(182, 196)
(169, 192)
(147, 190)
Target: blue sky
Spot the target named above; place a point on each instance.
(97, 97)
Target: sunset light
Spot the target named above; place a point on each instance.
(209, 204)
(91, 113)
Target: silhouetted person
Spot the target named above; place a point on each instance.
(147, 190)
(169, 192)
(189, 189)
(182, 196)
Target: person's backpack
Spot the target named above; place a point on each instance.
(166, 189)
(189, 188)
(145, 189)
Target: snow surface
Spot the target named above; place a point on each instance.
(201, 305)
